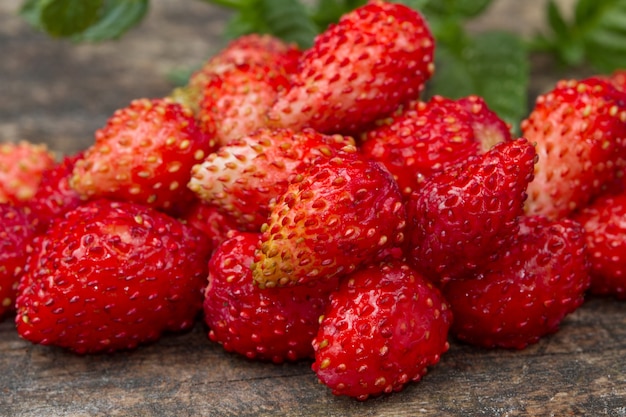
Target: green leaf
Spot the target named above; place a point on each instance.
(556, 21)
(31, 12)
(330, 11)
(461, 8)
(116, 17)
(605, 40)
(63, 18)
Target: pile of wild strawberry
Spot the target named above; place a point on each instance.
(310, 205)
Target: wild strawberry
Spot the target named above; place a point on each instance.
(524, 294)
(618, 79)
(422, 139)
(375, 58)
(458, 217)
(21, 168)
(604, 226)
(110, 276)
(339, 215)
(17, 231)
(235, 102)
(580, 133)
(54, 196)
(144, 154)
(384, 327)
(209, 220)
(244, 177)
(274, 324)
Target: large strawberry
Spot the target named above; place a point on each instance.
(458, 217)
(17, 231)
(244, 177)
(604, 225)
(337, 216)
(525, 294)
(579, 129)
(21, 168)
(110, 276)
(144, 154)
(424, 138)
(375, 58)
(273, 324)
(384, 327)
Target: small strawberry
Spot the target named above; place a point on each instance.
(459, 216)
(17, 231)
(54, 195)
(604, 225)
(339, 215)
(359, 70)
(422, 139)
(109, 276)
(618, 79)
(209, 220)
(524, 294)
(21, 168)
(579, 129)
(273, 324)
(144, 154)
(384, 326)
(235, 102)
(244, 177)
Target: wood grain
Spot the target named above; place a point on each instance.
(58, 93)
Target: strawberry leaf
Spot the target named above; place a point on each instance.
(116, 17)
(62, 18)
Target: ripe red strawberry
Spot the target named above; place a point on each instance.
(422, 139)
(580, 133)
(209, 220)
(604, 225)
(21, 167)
(385, 325)
(273, 324)
(109, 276)
(54, 196)
(144, 154)
(375, 58)
(618, 79)
(17, 231)
(525, 294)
(339, 215)
(244, 177)
(235, 102)
(461, 215)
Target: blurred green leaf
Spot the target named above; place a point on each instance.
(116, 17)
(63, 18)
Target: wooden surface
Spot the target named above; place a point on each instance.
(57, 93)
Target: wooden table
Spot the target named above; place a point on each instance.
(57, 93)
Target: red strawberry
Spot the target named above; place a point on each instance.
(17, 230)
(525, 294)
(618, 79)
(209, 220)
(385, 325)
(235, 102)
(422, 139)
(21, 168)
(340, 214)
(461, 215)
(144, 154)
(244, 177)
(604, 225)
(54, 196)
(359, 70)
(580, 133)
(109, 276)
(274, 324)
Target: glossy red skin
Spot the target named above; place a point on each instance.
(21, 168)
(244, 177)
(17, 230)
(361, 69)
(579, 129)
(273, 324)
(109, 276)
(385, 325)
(527, 292)
(143, 154)
(210, 221)
(458, 218)
(604, 225)
(425, 138)
(340, 215)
